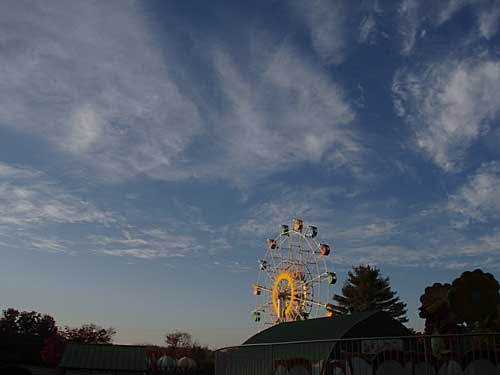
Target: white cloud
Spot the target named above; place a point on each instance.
(91, 78)
(366, 29)
(449, 106)
(176, 239)
(52, 246)
(486, 244)
(489, 20)
(86, 126)
(28, 197)
(395, 255)
(309, 204)
(289, 112)
(408, 24)
(141, 253)
(32, 205)
(146, 243)
(94, 80)
(450, 7)
(326, 22)
(479, 198)
(370, 231)
(413, 15)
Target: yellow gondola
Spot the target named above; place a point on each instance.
(298, 225)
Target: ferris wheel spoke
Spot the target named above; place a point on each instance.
(262, 307)
(264, 288)
(312, 302)
(266, 271)
(316, 279)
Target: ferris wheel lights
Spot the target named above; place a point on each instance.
(298, 225)
(330, 310)
(324, 249)
(331, 277)
(284, 281)
(271, 244)
(311, 231)
(284, 230)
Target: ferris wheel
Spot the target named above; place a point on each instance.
(294, 282)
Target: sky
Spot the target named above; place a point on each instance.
(149, 149)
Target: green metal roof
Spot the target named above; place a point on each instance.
(364, 324)
(300, 340)
(104, 357)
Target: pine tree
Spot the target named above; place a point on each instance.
(365, 290)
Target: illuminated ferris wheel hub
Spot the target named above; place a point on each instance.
(291, 284)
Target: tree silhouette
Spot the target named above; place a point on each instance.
(365, 290)
(89, 334)
(31, 323)
(8, 322)
(178, 340)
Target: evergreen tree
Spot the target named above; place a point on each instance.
(365, 290)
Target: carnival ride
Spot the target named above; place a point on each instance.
(291, 282)
(470, 304)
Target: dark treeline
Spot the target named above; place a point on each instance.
(34, 324)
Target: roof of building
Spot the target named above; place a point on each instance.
(303, 339)
(364, 324)
(104, 357)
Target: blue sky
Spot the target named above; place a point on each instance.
(148, 149)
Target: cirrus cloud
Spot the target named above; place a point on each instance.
(449, 106)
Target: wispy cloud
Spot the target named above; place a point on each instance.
(28, 197)
(489, 20)
(122, 104)
(409, 22)
(326, 21)
(265, 218)
(53, 246)
(376, 229)
(32, 205)
(288, 113)
(157, 243)
(415, 16)
(332, 26)
(367, 28)
(91, 78)
(449, 106)
(479, 198)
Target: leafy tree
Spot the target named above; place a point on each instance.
(178, 339)
(89, 334)
(14, 322)
(366, 289)
(47, 326)
(180, 344)
(8, 322)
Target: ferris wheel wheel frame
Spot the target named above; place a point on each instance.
(294, 268)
